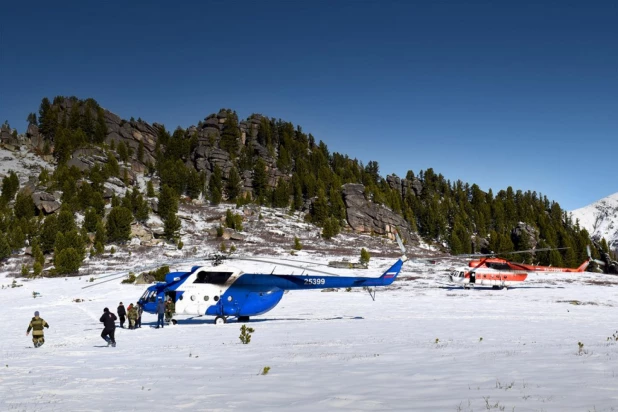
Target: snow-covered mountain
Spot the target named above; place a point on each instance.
(600, 219)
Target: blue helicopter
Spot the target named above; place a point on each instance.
(225, 291)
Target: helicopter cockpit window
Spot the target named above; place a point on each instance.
(217, 278)
(153, 296)
(145, 295)
(461, 274)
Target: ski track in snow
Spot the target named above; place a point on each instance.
(418, 347)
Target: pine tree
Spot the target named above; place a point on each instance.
(230, 135)
(5, 248)
(281, 195)
(319, 210)
(91, 219)
(150, 189)
(10, 186)
(100, 129)
(24, 206)
(194, 183)
(364, 257)
(17, 237)
(99, 235)
(123, 153)
(31, 119)
(232, 187)
(87, 124)
(49, 229)
(37, 253)
(168, 202)
(171, 226)
(215, 185)
(74, 121)
(260, 180)
(48, 120)
(142, 210)
(327, 230)
(297, 244)
(67, 261)
(140, 152)
(66, 220)
(119, 224)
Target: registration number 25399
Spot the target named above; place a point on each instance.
(315, 281)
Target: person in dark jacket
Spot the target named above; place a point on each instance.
(36, 326)
(122, 313)
(160, 312)
(109, 323)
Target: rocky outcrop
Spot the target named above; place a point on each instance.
(45, 202)
(367, 217)
(525, 234)
(8, 138)
(34, 139)
(404, 186)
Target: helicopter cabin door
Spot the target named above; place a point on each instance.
(472, 277)
(171, 294)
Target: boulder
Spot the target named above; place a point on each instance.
(141, 232)
(45, 202)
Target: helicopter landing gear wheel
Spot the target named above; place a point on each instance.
(220, 320)
(243, 318)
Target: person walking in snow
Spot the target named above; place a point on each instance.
(109, 329)
(160, 312)
(36, 326)
(132, 316)
(122, 313)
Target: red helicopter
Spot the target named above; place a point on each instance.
(501, 273)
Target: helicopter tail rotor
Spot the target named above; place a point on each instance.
(597, 261)
(401, 247)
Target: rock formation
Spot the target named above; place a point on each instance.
(367, 217)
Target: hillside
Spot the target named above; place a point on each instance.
(104, 181)
(600, 219)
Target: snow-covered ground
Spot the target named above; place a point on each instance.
(420, 346)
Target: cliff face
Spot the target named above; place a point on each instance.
(366, 217)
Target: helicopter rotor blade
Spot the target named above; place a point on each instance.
(473, 255)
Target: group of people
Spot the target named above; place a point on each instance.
(133, 313)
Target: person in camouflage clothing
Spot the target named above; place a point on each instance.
(36, 326)
(133, 315)
(170, 308)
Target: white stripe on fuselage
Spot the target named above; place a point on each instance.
(197, 297)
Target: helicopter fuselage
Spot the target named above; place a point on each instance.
(225, 291)
(487, 277)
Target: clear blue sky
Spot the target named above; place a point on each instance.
(523, 94)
